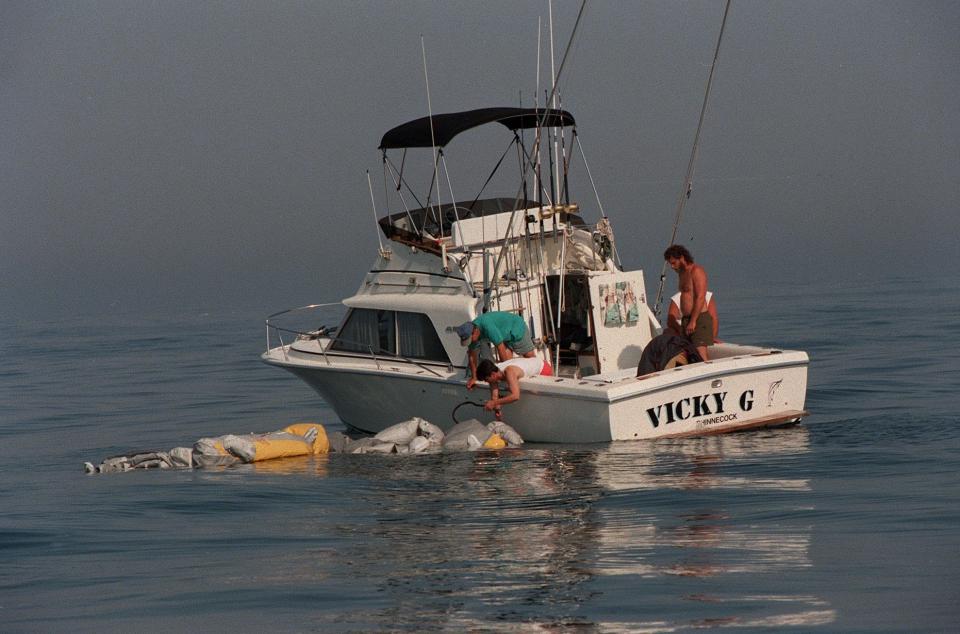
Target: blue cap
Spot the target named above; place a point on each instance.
(465, 330)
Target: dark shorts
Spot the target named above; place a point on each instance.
(703, 333)
(485, 350)
(522, 346)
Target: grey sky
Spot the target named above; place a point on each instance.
(213, 154)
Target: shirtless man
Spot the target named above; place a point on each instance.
(695, 322)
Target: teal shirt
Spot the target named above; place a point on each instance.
(500, 327)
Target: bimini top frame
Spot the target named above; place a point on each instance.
(445, 127)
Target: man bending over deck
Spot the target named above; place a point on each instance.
(695, 321)
(506, 331)
(510, 371)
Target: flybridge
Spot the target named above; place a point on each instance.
(543, 182)
(476, 220)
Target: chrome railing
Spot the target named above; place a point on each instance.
(300, 333)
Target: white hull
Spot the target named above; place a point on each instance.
(758, 389)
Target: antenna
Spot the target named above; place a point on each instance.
(536, 104)
(554, 158)
(433, 140)
(376, 225)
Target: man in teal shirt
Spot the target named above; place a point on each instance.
(506, 331)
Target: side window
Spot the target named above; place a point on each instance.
(367, 329)
(418, 338)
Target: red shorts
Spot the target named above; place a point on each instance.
(547, 369)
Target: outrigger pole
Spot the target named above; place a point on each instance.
(555, 76)
(554, 158)
(555, 194)
(687, 188)
(543, 117)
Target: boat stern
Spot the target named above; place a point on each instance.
(764, 389)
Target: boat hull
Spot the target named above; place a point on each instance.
(700, 399)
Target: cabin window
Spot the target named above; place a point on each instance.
(368, 329)
(418, 338)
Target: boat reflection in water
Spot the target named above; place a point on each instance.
(652, 535)
(728, 522)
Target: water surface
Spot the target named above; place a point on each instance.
(848, 522)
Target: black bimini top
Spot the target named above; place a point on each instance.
(417, 133)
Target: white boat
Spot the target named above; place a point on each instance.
(392, 353)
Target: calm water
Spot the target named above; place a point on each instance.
(849, 522)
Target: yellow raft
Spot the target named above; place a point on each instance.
(299, 439)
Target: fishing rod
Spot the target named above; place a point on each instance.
(687, 188)
(542, 120)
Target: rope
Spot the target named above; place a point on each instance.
(453, 414)
(494, 171)
(391, 168)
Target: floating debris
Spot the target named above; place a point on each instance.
(413, 436)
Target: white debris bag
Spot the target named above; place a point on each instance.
(401, 433)
(419, 444)
(508, 433)
(431, 432)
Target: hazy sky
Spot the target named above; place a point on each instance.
(213, 154)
